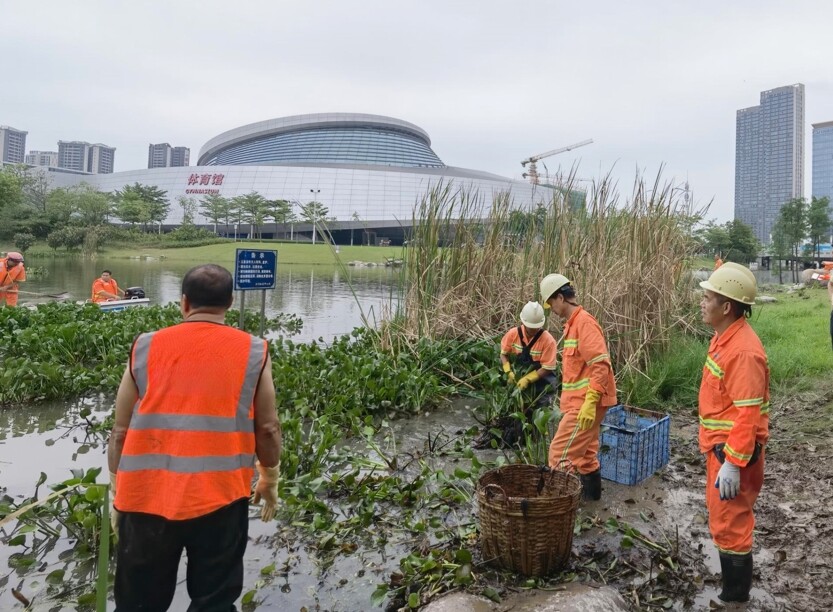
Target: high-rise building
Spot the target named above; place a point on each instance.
(85, 157)
(102, 159)
(769, 157)
(162, 155)
(823, 160)
(180, 156)
(48, 159)
(73, 155)
(12, 145)
(159, 155)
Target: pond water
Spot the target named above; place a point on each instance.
(330, 300)
(48, 438)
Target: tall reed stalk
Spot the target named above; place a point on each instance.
(470, 264)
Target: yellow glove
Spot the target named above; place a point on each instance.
(510, 375)
(527, 380)
(115, 516)
(587, 414)
(266, 488)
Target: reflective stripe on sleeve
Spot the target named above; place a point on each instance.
(765, 408)
(716, 425)
(575, 386)
(711, 366)
(754, 401)
(601, 357)
(733, 453)
(571, 343)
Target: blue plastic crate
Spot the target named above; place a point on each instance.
(633, 444)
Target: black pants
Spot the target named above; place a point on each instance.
(148, 553)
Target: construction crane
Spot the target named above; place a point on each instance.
(533, 161)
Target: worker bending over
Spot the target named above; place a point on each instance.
(734, 422)
(588, 387)
(528, 353)
(12, 272)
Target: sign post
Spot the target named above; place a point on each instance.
(255, 270)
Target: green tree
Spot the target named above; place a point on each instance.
(779, 247)
(11, 191)
(152, 201)
(743, 245)
(314, 212)
(189, 209)
(78, 205)
(793, 220)
(215, 208)
(280, 211)
(253, 209)
(23, 241)
(818, 222)
(713, 238)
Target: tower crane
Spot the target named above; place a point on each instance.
(533, 161)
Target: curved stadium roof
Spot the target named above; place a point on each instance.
(323, 138)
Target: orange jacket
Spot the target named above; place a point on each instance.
(544, 351)
(111, 286)
(586, 362)
(11, 276)
(734, 394)
(190, 445)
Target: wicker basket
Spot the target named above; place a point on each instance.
(527, 514)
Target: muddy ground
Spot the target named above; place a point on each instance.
(793, 547)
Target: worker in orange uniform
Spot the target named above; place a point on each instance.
(734, 422)
(528, 353)
(588, 387)
(717, 261)
(195, 408)
(105, 288)
(12, 272)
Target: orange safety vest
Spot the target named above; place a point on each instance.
(190, 446)
(734, 394)
(9, 276)
(111, 286)
(586, 363)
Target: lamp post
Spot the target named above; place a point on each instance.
(314, 193)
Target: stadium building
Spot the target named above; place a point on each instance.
(369, 171)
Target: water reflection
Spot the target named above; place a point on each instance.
(331, 301)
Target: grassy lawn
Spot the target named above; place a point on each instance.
(795, 334)
(288, 253)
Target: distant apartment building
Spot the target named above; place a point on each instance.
(47, 159)
(823, 160)
(12, 145)
(769, 157)
(180, 156)
(85, 157)
(162, 155)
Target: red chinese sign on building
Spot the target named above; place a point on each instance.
(205, 180)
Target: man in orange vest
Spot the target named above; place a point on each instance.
(718, 261)
(533, 352)
(194, 410)
(734, 422)
(106, 288)
(588, 388)
(12, 272)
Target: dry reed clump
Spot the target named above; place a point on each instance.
(470, 266)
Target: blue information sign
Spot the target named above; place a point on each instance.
(255, 269)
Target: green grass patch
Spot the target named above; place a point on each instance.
(795, 334)
(288, 252)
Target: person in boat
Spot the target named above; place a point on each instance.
(12, 272)
(105, 288)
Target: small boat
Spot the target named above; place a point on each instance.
(116, 305)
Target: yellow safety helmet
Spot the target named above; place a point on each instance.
(733, 281)
(532, 315)
(550, 284)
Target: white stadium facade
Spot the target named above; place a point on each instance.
(359, 166)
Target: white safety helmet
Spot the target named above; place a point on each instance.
(550, 284)
(532, 315)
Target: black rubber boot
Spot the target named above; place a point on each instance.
(737, 577)
(591, 486)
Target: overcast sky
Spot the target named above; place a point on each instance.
(491, 82)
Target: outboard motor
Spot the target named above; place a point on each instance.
(134, 293)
